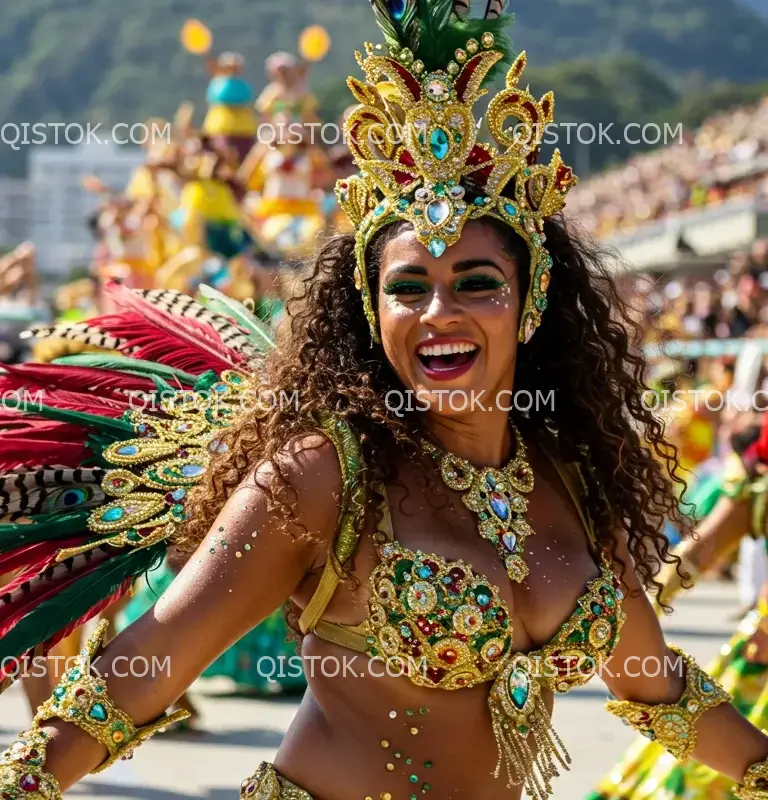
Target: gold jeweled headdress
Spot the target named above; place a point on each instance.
(434, 173)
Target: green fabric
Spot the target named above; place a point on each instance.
(241, 663)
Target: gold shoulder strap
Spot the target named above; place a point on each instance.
(570, 474)
(352, 505)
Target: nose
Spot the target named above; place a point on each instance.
(443, 311)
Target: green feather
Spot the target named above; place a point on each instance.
(51, 616)
(117, 427)
(443, 33)
(54, 525)
(261, 336)
(386, 24)
(133, 366)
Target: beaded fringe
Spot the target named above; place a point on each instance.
(532, 766)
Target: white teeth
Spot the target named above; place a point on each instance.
(446, 349)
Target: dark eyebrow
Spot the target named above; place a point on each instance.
(409, 269)
(471, 263)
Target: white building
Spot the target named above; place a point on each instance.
(14, 211)
(60, 206)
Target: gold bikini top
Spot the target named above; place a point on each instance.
(445, 626)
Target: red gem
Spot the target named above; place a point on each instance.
(457, 574)
(500, 615)
(449, 656)
(145, 531)
(116, 481)
(432, 566)
(169, 499)
(79, 692)
(33, 753)
(435, 674)
(29, 783)
(462, 637)
(182, 453)
(460, 681)
(343, 185)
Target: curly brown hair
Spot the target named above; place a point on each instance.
(584, 352)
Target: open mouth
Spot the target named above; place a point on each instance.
(447, 360)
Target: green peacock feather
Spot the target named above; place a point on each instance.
(435, 29)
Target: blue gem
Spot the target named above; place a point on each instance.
(221, 388)
(192, 470)
(178, 494)
(59, 692)
(490, 481)
(112, 514)
(405, 631)
(98, 712)
(509, 540)
(549, 261)
(438, 211)
(460, 210)
(439, 144)
(396, 8)
(707, 687)
(128, 450)
(479, 201)
(403, 204)
(483, 599)
(436, 247)
(500, 506)
(379, 210)
(510, 209)
(425, 572)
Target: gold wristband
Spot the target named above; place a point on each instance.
(674, 726)
(754, 785)
(22, 773)
(81, 698)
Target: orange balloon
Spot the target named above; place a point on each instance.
(196, 37)
(314, 43)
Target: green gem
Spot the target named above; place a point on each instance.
(73, 712)
(75, 674)
(482, 516)
(133, 536)
(98, 712)
(417, 212)
(177, 509)
(457, 137)
(410, 712)
(523, 729)
(425, 787)
(428, 764)
(414, 778)
(541, 303)
(440, 190)
(402, 204)
(526, 172)
(479, 201)
(423, 710)
(246, 547)
(59, 692)
(408, 760)
(609, 601)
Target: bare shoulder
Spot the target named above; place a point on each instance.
(297, 492)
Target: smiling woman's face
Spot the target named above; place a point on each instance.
(450, 323)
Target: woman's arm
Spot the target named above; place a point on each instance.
(249, 564)
(645, 670)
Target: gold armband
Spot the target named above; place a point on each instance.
(674, 726)
(81, 698)
(754, 785)
(22, 773)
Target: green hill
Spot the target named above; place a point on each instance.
(108, 61)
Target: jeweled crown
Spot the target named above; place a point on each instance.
(414, 140)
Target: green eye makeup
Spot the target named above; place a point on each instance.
(405, 287)
(479, 283)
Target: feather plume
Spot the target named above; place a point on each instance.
(397, 21)
(130, 366)
(81, 332)
(30, 491)
(219, 302)
(180, 305)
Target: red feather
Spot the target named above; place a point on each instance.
(29, 443)
(196, 341)
(102, 382)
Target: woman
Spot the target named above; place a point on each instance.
(460, 597)
(646, 771)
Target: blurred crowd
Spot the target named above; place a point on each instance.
(725, 304)
(724, 159)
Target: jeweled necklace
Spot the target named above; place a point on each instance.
(495, 496)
